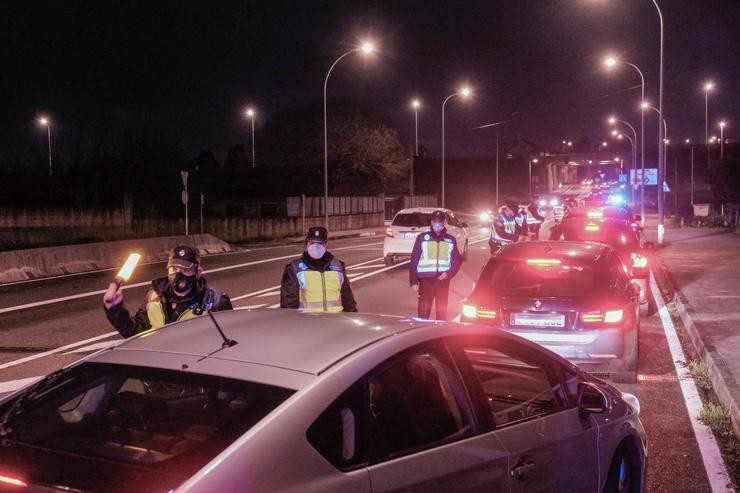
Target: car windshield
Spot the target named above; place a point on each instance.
(413, 219)
(122, 419)
(620, 238)
(539, 277)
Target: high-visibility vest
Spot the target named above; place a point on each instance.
(509, 227)
(320, 291)
(155, 310)
(436, 255)
(530, 217)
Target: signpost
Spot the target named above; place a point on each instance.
(651, 176)
(184, 196)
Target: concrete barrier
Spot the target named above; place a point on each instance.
(19, 265)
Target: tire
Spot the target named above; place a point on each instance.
(465, 252)
(388, 259)
(624, 472)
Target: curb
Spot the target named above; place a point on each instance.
(723, 382)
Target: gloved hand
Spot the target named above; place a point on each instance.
(113, 296)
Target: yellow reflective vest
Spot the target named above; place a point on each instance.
(320, 291)
(155, 310)
(436, 256)
(509, 228)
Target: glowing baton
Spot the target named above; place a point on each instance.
(128, 268)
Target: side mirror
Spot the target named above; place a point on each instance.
(591, 399)
(649, 245)
(464, 225)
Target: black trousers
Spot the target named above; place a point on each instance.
(430, 290)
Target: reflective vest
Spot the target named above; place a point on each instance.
(320, 291)
(530, 217)
(509, 227)
(436, 255)
(157, 318)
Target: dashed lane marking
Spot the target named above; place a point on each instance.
(719, 479)
(57, 350)
(269, 293)
(95, 347)
(13, 385)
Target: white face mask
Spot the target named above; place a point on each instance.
(316, 250)
(438, 227)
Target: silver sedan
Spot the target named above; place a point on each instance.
(277, 400)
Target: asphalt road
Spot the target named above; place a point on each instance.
(30, 336)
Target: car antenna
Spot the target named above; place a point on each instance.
(227, 342)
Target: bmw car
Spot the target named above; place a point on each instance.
(401, 235)
(278, 400)
(574, 298)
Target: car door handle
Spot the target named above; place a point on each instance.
(522, 468)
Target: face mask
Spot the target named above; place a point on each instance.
(438, 227)
(182, 284)
(316, 250)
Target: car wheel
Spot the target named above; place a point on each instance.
(388, 259)
(624, 473)
(465, 252)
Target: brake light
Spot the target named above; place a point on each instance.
(469, 311)
(543, 262)
(638, 261)
(595, 214)
(12, 481)
(592, 317)
(608, 317)
(389, 232)
(613, 316)
(592, 227)
(623, 239)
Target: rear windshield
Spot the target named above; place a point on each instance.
(132, 418)
(418, 219)
(539, 277)
(617, 237)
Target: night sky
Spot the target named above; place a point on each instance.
(193, 66)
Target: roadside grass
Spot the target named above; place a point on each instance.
(700, 372)
(716, 417)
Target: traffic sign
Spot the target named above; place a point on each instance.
(665, 187)
(184, 175)
(651, 176)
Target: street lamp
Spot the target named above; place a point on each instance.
(708, 86)
(611, 62)
(464, 92)
(722, 126)
(530, 176)
(47, 123)
(613, 121)
(250, 113)
(661, 157)
(416, 104)
(366, 48)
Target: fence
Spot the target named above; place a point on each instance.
(338, 206)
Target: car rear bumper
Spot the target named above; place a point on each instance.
(398, 247)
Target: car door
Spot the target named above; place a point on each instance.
(454, 227)
(529, 409)
(425, 435)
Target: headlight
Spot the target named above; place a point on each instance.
(484, 216)
(554, 202)
(543, 202)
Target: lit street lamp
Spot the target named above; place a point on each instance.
(47, 123)
(722, 126)
(613, 121)
(464, 93)
(250, 114)
(415, 104)
(366, 49)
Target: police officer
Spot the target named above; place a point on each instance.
(520, 217)
(435, 260)
(503, 230)
(534, 220)
(317, 281)
(183, 294)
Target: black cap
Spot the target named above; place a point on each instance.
(317, 233)
(438, 215)
(184, 256)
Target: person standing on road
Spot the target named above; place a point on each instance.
(183, 294)
(435, 260)
(317, 281)
(534, 220)
(503, 229)
(520, 217)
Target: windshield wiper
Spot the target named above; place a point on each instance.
(31, 393)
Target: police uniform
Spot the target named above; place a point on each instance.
(163, 305)
(534, 220)
(503, 231)
(316, 284)
(434, 254)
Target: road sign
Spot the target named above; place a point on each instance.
(665, 187)
(651, 176)
(622, 177)
(184, 175)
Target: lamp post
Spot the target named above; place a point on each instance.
(613, 121)
(250, 114)
(722, 126)
(688, 141)
(612, 62)
(47, 123)
(530, 176)
(415, 104)
(367, 48)
(464, 92)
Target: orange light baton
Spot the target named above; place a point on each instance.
(128, 268)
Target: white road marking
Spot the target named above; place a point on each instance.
(54, 351)
(95, 347)
(146, 283)
(368, 266)
(354, 274)
(13, 385)
(719, 479)
(269, 293)
(252, 307)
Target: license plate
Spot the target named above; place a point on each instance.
(537, 320)
(411, 235)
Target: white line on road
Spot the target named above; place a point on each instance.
(269, 293)
(13, 385)
(54, 351)
(719, 479)
(95, 347)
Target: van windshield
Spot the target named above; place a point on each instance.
(414, 219)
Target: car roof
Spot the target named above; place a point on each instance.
(578, 250)
(279, 338)
(606, 223)
(422, 210)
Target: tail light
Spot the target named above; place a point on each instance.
(592, 227)
(638, 261)
(389, 232)
(634, 226)
(607, 317)
(5, 480)
(471, 311)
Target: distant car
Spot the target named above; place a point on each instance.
(321, 402)
(607, 212)
(574, 298)
(621, 235)
(408, 223)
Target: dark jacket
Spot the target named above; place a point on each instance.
(455, 259)
(290, 288)
(500, 229)
(535, 211)
(204, 298)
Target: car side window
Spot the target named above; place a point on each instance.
(515, 387)
(452, 220)
(417, 400)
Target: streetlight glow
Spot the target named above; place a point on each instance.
(249, 112)
(367, 48)
(708, 86)
(466, 91)
(44, 121)
(722, 124)
(610, 61)
(615, 133)
(415, 103)
(612, 120)
(688, 141)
